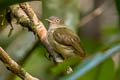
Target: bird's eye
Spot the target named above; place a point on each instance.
(57, 20)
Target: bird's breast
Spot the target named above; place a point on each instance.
(65, 51)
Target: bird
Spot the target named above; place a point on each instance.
(63, 40)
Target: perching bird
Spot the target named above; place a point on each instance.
(63, 40)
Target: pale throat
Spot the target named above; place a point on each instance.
(54, 26)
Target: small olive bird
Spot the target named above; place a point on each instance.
(63, 40)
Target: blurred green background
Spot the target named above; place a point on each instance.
(97, 35)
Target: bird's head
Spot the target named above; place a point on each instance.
(54, 20)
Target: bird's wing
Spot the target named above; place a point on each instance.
(67, 37)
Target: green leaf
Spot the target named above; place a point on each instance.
(61, 67)
(90, 63)
(90, 75)
(104, 71)
(110, 30)
(118, 70)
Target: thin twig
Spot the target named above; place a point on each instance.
(97, 12)
(14, 67)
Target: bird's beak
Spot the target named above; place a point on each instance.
(48, 20)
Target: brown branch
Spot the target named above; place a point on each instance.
(14, 67)
(97, 12)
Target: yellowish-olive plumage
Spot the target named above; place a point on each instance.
(63, 40)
